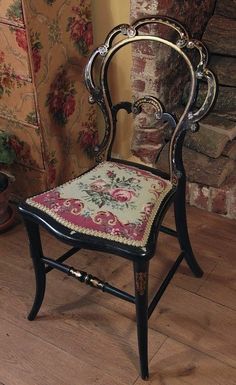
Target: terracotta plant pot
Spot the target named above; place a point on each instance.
(7, 212)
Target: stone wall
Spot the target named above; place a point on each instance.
(210, 154)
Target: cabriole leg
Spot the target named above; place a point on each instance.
(39, 268)
(182, 229)
(141, 302)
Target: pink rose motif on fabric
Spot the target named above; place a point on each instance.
(36, 60)
(36, 47)
(21, 39)
(80, 28)
(69, 105)
(122, 195)
(77, 29)
(2, 56)
(88, 34)
(109, 192)
(61, 98)
(99, 185)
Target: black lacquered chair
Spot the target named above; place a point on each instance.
(118, 206)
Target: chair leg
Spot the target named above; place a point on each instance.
(39, 268)
(141, 302)
(182, 229)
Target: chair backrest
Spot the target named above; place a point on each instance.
(192, 52)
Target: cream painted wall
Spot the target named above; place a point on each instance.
(106, 14)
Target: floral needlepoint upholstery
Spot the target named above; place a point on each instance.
(112, 201)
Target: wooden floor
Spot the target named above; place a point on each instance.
(85, 337)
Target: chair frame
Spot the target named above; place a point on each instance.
(139, 256)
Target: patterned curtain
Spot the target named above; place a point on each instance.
(60, 35)
(43, 100)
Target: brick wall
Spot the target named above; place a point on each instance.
(210, 154)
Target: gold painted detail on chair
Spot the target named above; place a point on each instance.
(151, 100)
(86, 278)
(75, 273)
(141, 282)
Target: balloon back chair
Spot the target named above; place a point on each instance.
(118, 206)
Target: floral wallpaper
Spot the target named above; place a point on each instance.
(80, 28)
(61, 98)
(9, 80)
(43, 100)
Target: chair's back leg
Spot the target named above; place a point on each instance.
(182, 228)
(39, 268)
(141, 302)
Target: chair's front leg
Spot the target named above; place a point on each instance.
(39, 268)
(141, 302)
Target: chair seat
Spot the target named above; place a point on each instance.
(113, 201)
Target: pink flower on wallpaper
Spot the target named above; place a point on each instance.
(51, 174)
(77, 29)
(36, 47)
(88, 138)
(60, 99)
(36, 60)
(16, 145)
(80, 28)
(69, 105)
(21, 38)
(81, 34)
(88, 34)
(2, 56)
(57, 102)
(122, 195)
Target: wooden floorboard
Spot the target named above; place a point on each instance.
(26, 360)
(178, 364)
(83, 336)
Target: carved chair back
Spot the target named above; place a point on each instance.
(192, 52)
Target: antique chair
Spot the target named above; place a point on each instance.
(118, 206)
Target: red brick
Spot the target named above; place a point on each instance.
(145, 48)
(148, 136)
(140, 8)
(139, 64)
(145, 153)
(199, 196)
(139, 85)
(218, 201)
